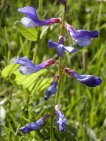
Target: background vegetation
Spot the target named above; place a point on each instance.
(21, 99)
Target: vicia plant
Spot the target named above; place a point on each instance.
(81, 37)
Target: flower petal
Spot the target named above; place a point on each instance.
(31, 19)
(26, 70)
(81, 37)
(60, 119)
(89, 80)
(70, 49)
(84, 33)
(29, 12)
(28, 22)
(59, 47)
(83, 41)
(24, 61)
(94, 33)
(52, 44)
(28, 67)
(52, 89)
(33, 125)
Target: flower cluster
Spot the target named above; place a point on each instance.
(81, 37)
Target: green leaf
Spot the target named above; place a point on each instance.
(8, 70)
(28, 80)
(42, 84)
(33, 82)
(28, 33)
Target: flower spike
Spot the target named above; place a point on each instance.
(34, 125)
(27, 67)
(60, 119)
(81, 37)
(89, 80)
(52, 89)
(60, 48)
(31, 19)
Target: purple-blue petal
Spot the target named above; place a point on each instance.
(25, 70)
(52, 89)
(70, 49)
(28, 22)
(83, 42)
(33, 125)
(89, 80)
(25, 129)
(84, 33)
(59, 47)
(60, 119)
(29, 12)
(27, 67)
(31, 19)
(52, 44)
(25, 62)
(81, 37)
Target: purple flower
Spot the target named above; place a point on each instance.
(27, 67)
(81, 37)
(89, 80)
(33, 125)
(31, 19)
(60, 48)
(52, 89)
(60, 119)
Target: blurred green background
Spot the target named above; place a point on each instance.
(84, 108)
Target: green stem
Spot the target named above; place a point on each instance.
(60, 64)
(35, 55)
(59, 83)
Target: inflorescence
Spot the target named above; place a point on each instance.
(81, 37)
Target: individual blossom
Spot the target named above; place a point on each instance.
(60, 48)
(89, 80)
(81, 37)
(31, 19)
(34, 125)
(27, 67)
(52, 89)
(60, 119)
